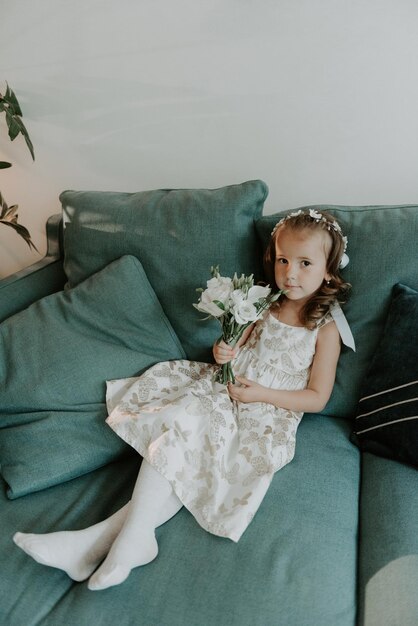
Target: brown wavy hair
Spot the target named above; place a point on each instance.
(337, 289)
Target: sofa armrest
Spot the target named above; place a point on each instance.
(40, 279)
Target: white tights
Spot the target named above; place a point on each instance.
(127, 537)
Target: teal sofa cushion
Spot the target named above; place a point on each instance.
(382, 250)
(387, 417)
(388, 548)
(177, 235)
(295, 564)
(55, 357)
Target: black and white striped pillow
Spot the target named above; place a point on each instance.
(387, 416)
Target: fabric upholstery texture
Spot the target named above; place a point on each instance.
(387, 415)
(388, 549)
(295, 564)
(303, 560)
(177, 235)
(381, 254)
(55, 357)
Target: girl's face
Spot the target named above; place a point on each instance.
(301, 261)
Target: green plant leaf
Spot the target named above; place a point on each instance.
(8, 217)
(10, 97)
(12, 125)
(6, 211)
(21, 231)
(26, 136)
(13, 118)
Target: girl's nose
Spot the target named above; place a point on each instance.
(291, 271)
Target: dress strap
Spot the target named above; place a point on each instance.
(342, 325)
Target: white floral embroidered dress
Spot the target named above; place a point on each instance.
(219, 456)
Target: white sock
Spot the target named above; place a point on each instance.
(153, 503)
(77, 552)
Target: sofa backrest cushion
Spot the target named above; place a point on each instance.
(54, 360)
(177, 235)
(382, 246)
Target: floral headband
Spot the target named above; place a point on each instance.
(317, 217)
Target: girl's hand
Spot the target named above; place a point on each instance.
(222, 353)
(246, 391)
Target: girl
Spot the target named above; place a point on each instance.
(210, 448)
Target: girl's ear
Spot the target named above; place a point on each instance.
(328, 276)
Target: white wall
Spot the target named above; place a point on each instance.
(316, 97)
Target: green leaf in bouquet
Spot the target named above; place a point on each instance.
(4, 165)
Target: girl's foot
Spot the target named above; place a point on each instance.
(76, 552)
(130, 550)
(62, 550)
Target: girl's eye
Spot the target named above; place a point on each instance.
(281, 261)
(306, 263)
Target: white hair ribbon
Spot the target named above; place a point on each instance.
(342, 325)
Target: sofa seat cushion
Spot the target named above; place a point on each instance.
(382, 250)
(55, 357)
(388, 552)
(177, 235)
(295, 564)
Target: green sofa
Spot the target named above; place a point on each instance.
(335, 541)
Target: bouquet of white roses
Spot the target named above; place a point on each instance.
(235, 303)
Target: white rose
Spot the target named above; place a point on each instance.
(257, 292)
(207, 305)
(218, 288)
(237, 297)
(244, 312)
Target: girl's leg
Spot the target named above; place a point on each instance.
(153, 503)
(77, 552)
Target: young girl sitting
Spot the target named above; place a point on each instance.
(211, 448)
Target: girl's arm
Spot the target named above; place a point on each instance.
(223, 353)
(321, 381)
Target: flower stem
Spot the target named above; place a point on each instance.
(224, 375)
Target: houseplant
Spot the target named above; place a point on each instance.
(9, 105)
